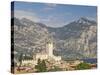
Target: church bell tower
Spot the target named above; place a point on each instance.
(49, 48)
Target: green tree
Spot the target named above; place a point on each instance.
(41, 66)
(20, 61)
(20, 58)
(83, 66)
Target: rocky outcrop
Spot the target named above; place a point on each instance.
(77, 39)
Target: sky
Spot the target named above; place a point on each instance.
(53, 15)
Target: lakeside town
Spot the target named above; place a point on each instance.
(47, 62)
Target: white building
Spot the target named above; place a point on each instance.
(57, 58)
(43, 55)
(49, 48)
(49, 53)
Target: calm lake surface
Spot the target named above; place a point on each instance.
(90, 60)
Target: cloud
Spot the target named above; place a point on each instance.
(50, 20)
(54, 21)
(49, 6)
(26, 14)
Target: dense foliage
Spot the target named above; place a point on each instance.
(41, 66)
(82, 66)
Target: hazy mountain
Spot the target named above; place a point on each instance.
(77, 39)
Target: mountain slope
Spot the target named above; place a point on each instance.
(77, 39)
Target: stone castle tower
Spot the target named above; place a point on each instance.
(49, 48)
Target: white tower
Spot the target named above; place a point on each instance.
(49, 48)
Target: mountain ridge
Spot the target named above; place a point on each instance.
(77, 37)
